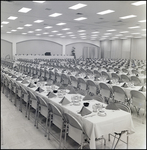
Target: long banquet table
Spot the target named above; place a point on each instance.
(94, 125)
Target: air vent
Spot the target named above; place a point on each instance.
(79, 13)
(48, 9)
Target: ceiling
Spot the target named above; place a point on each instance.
(94, 22)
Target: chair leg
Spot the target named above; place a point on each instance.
(29, 112)
(35, 117)
(46, 125)
(117, 141)
(49, 128)
(20, 106)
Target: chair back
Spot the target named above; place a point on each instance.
(74, 81)
(104, 73)
(125, 78)
(119, 94)
(82, 84)
(135, 80)
(105, 90)
(138, 99)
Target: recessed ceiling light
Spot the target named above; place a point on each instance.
(77, 6)
(13, 30)
(48, 27)
(66, 29)
(60, 24)
(55, 31)
(69, 32)
(38, 21)
(95, 32)
(81, 18)
(12, 18)
(134, 27)
(30, 31)
(5, 22)
(8, 32)
(72, 35)
(45, 33)
(124, 32)
(111, 30)
(55, 15)
(142, 21)
(81, 30)
(39, 1)
(24, 33)
(24, 10)
(127, 17)
(139, 3)
(28, 25)
(20, 28)
(38, 34)
(38, 29)
(105, 12)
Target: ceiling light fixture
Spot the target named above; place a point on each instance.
(60, 24)
(12, 18)
(55, 31)
(124, 32)
(39, 1)
(142, 21)
(38, 29)
(24, 10)
(105, 12)
(13, 30)
(111, 30)
(127, 17)
(139, 3)
(77, 6)
(134, 27)
(81, 18)
(81, 30)
(5, 22)
(28, 25)
(38, 21)
(48, 27)
(20, 28)
(66, 29)
(8, 32)
(55, 15)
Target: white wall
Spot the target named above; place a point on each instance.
(6, 49)
(134, 48)
(20, 38)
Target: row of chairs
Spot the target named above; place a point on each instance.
(29, 97)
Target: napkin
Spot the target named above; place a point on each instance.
(124, 85)
(84, 111)
(24, 82)
(13, 76)
(143, 89)
(39, 89)
(98, 98)
(31, 85)
(112, 106)
(19, 79)
(88, 97)
(51, 95)
(64, 101)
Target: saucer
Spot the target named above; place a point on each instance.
(103, 114)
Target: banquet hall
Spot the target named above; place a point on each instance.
(73, 74)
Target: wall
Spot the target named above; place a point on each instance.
(17, 43)
(38, 46)
(6, 49)
(134, 48)
(79, 48)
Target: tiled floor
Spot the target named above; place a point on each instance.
(17, 132)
